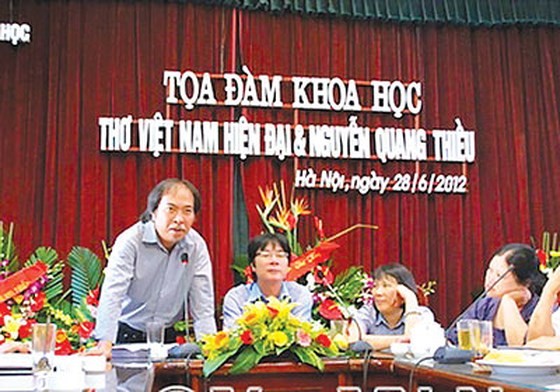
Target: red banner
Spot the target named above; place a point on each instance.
(21, 280)
(310, 259)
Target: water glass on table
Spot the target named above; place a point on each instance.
(43, 341)
(476, 335)
(154, 334)
(486, 337)
(42, 346)
(465, 334)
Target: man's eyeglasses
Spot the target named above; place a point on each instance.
(269, 255)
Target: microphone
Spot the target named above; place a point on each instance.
(478, 298)
(185, 258)
(454, 355)
(361, 346)
(185, 350)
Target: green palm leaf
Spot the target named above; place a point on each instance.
(245, 361)
(211, 365)
(54, 287)
(45, 254)
(86, 273)
(309, 357)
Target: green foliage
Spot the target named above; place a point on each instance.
(308, 357)
(349, 284)
(8, 248)
(54, 288)
(239, 264)
(86, 273)
(246, 360)
(211, 365)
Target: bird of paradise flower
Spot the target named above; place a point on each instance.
(279, 213)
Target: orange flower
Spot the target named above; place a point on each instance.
(250, 318)
(272, 311)
(282, 220)
(61, 336)
(300, 207)
(267, 196)
(222, 338)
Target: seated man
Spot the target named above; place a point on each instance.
(269, 257)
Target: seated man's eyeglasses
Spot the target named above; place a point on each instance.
(269, 255)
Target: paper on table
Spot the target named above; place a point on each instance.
(16, 363)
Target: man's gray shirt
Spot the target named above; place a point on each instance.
(145, 282)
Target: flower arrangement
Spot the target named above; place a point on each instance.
(33, 292)
(337, 298)
(268, 329)
(548, 253)
(310, 265)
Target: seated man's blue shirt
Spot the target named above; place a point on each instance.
(239, 296)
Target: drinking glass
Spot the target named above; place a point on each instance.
(486, 337)
(464, 334)
(43, 341)
(42, 347)
(154, 334)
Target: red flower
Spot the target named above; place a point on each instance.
(330, 310)
(248, 272)
(247, 337)
(63, 348)
(323, 275)
(323, 340)
(38, 301)
(541, 255)
(273, 312)
(4, 311)
(292, 221)
(93, 297)
(180, 339)
(319, 227)
(25, 330)
(85, 329)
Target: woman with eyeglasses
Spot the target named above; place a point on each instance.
(394, 312)
(269, 257)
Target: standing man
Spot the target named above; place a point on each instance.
(158, 268)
